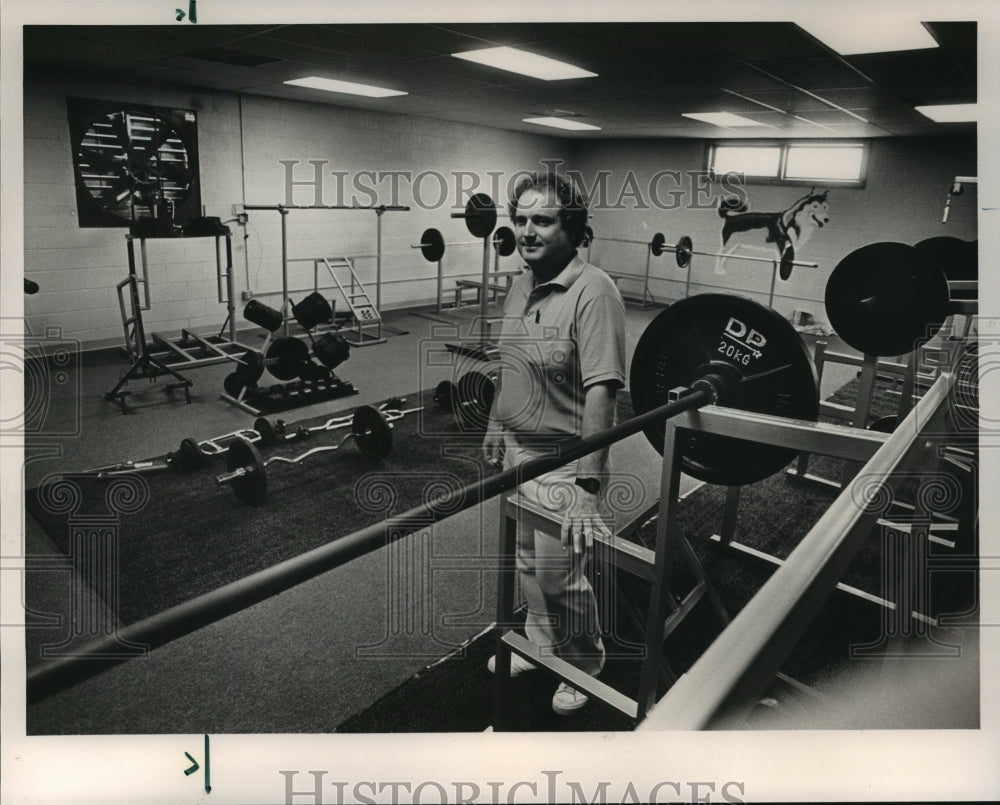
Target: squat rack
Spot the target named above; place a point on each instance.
(284, 209)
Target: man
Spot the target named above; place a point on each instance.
(562, 356)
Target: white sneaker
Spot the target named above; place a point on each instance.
(518, 665)
(567, 700)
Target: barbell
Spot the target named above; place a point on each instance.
(683, 250)
(272, 432)
(470, 400)
(887, 298)
(432, 243)
(246, 471)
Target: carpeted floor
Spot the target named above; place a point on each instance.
(191, 536)
(180, 534)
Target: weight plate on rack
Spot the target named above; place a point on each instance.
(887, 298)
(504, 241)
(683, 251)
(480, 215)
(745, 342)
(232, 384)
(252, 367)
(286, 357)
(432, 245)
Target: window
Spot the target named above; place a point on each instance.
(842, 163)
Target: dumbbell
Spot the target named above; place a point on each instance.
(470, 400)
(246, 470)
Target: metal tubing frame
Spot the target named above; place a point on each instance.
(284, 208)
(744, 659)
(181, 620)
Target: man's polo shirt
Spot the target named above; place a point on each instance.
(559, 338)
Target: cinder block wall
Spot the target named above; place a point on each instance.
(243, 142)
(251, 148)
(903, 199)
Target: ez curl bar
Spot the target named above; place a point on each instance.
(246, 471)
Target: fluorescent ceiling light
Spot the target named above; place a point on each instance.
(851, 34)
(561, 123)
(724, 119)
(950, 113)
(347, 87)
(520, 61)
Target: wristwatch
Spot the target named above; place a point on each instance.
(592, 485)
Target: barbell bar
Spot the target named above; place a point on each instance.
(684, 250)
(741, 386)
(247, 472)
(432, 244)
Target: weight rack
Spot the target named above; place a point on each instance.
(161, 355)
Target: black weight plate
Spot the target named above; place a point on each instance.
(286, 358)
(432, 245)
(267, 432)
(886, 298)
(371, 432)
(445, 395)
(189, 455)
(475, 399)
(656, 245)
(331, 350)
(504, 241)
(683, 251)
(739, 339)
(250, 368)
(958, 259)
(787, 262)
(260, 314)
(884, 424)
(232, 384)
(312, 310)
(950, 255)
(480, 215)
(250, 488)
